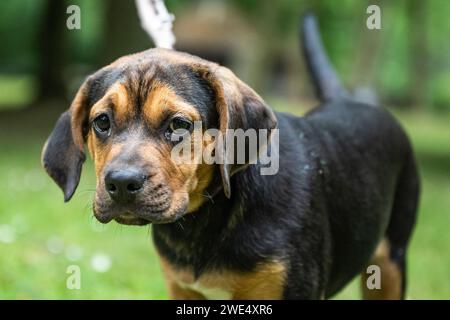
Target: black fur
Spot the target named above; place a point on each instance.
(347, 180)
(323, 213)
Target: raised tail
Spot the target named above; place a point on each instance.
(326, 82)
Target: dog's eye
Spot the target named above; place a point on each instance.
(180, 123)
(178, 127)
(102, 124)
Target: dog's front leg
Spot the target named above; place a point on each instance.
(177, 292)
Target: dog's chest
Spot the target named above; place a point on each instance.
(265, 282)
(210, 293)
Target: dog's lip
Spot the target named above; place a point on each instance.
(103, 218)
(134, 219)
(140, 218)
(130, 219)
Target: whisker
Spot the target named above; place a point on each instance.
(209, 196)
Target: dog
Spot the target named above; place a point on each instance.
(345, 196)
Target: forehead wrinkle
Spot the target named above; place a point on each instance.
(163, 101)
(191, 86)
(138, 83)
(115, 98)
(120, 103)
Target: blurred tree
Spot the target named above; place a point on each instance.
(275, 22)
(52, 53)
(408, 58)
(418, 48)
(122, 31)
(366, 50)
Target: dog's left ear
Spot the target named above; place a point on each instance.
(238, 107)
(63, 153)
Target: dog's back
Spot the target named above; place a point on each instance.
(344, 197)
(369, 177)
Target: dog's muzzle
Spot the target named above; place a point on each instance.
(133, 196)
(123, 185)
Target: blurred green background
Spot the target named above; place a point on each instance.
(42, 64)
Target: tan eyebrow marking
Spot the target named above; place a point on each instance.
(116, 98)
(162, 101)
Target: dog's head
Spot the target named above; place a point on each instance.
(128, 113)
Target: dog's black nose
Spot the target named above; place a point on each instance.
(123, 185)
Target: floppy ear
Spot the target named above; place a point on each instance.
(63, 153)
(238, 107)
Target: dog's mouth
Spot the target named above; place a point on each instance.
(132, 220)
(128, 217)
(138, 213)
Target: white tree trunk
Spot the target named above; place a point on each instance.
(157, 22)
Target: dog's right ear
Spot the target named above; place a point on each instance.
(63, 153)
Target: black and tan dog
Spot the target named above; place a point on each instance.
(345, 195)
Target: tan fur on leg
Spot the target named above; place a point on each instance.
(391, 277)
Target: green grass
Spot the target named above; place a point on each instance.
(16, 91)
(34, 222)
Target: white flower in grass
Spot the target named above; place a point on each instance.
(55, 245)
(20, 223)
(74, 252)
(7, 233)
(101, 262)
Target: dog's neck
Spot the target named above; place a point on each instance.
(193, 239)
